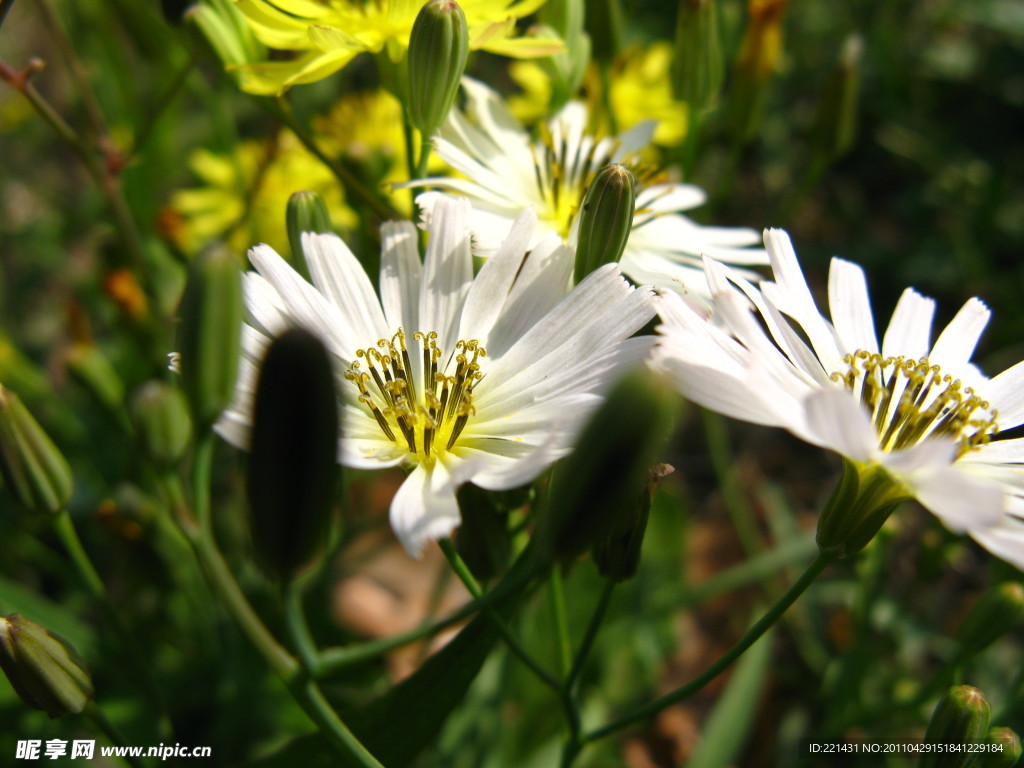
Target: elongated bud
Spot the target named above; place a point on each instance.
(859, 506)
(292, 471)
(595, 488)
(307, 212)
(210, 334)
(961, 717)
(483, 539)
(836, 123)
(43, 669)
(605, 219)
(604, 25)
(697, 64)
(160, 414)
(756, 63)
(438, 48)
(35, 472)
(994, 614)
(617, 555)
(1003, 749)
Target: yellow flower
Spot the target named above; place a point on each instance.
(330, 34)
(244, 196)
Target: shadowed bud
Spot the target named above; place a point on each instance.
(617, 555)
(438, 48)
(605, 220)
(210, 334)
(160, 414)
(595, 488)
(604, 25)
(483, 539)
(697, 64)
(43, 669)
(994, 614)
(961, 717)
(756, 63)
(1003, 751)
(307, 212)
(836, 123)
(859, 506)
(292, 471)
(35, 472)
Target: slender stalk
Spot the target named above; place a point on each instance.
(69, 538)
(424, 162)
(740, 513)
(467, 578)
(75, 69)
(153, 116)
(283, 111)
(202, 463)
(752, 635)
(298, 628)
(561, 621)
(590, 634)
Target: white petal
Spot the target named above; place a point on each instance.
(400, 275)
(338, 275)
(957, 341)
(447, 271)
(668, 198)
(850, 307)
(424, 508)
(1006, 394)
(841, 424)
(961, 501)
(1005, 540)
(910, 328)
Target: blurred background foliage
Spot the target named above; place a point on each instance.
(929, 194)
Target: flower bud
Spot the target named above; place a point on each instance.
(160, 414)
(438, 48)
(292, 471)
(483, 540)
(210, 334)
(43, 668)
(697, 65)
(604, 25)
(605, 219)
(859, 506)
(1004, 749)
(34, 470)
(617, 555)
(836, 123)
(307, 212)
(594, 490)
(994, 614)
(961, 717)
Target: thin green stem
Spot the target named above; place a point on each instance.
(283, 111)
(95, 715)
(561, 621)
(69, 538)
(590, 634)
(298, 628)
(740, 513)
(466, 576)
(153, 116)
(202, 464)
(424, 162)
(752, 635)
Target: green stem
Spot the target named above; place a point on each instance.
(202, 464)
(752, 635)
(283, 111)
(590, 634)
(467, 578)
(298, 627)
(425, 150)
(740, 513)
(69, 538)
(153, 116)
(561, 621)
(95, 715)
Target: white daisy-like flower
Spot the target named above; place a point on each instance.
(482, 379)
(919, 410)
(506, 171)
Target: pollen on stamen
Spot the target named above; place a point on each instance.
(912, 399)
(417, 405)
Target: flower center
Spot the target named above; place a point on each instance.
(420, 398)
(911, 400)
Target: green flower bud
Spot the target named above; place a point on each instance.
(605, 219)
(617, 555)
(438, 48)
(594, 489)
(961, 717)
(861, 503)
(34, 470)
(43, 668)
(836, 123)
(697, 64)
(307, 212)
(604, 25)
(292, 471)
(483, 539)
(160, 414)
(1004, 749)
(994, 614)
(210, 334)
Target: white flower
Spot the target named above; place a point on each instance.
(920, 410)
(505, 172)
(483, 379)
